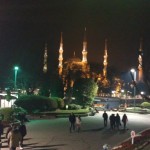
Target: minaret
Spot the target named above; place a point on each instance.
(105, 62)
(60, 65)
(84, 51)
(45, 59)
(140, 61)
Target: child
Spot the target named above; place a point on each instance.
(78, 123)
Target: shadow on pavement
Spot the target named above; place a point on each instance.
(25, 139)
(122, 131)
(108, 133)
(47, 147)
(91, 130)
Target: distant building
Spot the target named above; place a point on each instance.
(69, 70)
(73, 67)
(7, 103)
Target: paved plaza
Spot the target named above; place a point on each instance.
(53, 134)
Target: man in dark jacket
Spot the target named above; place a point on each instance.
(105, 117)
(72, 120)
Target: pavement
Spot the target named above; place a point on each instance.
(53, 134)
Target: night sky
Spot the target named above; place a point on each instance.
(25, 26)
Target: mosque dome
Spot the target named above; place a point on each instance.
(74, 59)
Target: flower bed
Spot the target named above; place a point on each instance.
(140, 141)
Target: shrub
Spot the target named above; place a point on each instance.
(33, 103)
(74, 107)
(19, 110)
(60, 102)
(145, 104)
(7, 113)
(53, 104)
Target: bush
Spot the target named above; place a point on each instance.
(145, 104)
(7, 113)
(33, 103)
(10, 114)
(74, 107)
(19, 110)
(60, 102)
(53, 104)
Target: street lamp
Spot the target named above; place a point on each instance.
(133, 74)
(16, 68)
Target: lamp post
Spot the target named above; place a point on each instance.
(16, 68)
(133, 72)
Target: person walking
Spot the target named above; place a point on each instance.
(14, 137)
(23, 131)
(72, 120)
(78, 123)
(124, 120)
(105, 117)
(117, 121)
(112, 121)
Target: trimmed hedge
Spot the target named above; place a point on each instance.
(35, 103)
(74, 107)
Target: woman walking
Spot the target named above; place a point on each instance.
(78, 123)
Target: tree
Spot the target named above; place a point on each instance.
(56, 88)
(84, 90)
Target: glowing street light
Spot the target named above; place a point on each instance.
(16, 68)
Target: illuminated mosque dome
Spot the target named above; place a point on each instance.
(73, 67)
(74, 64)
(70, 69)
(74, 59)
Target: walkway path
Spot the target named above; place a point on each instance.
(54, 134)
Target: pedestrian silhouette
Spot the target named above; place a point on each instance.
(78, 123)
(72, 120)
(117, 121)
(112, 121)
(105, 117)
(124, 120)
(23, 131)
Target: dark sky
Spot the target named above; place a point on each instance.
(25, 26)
